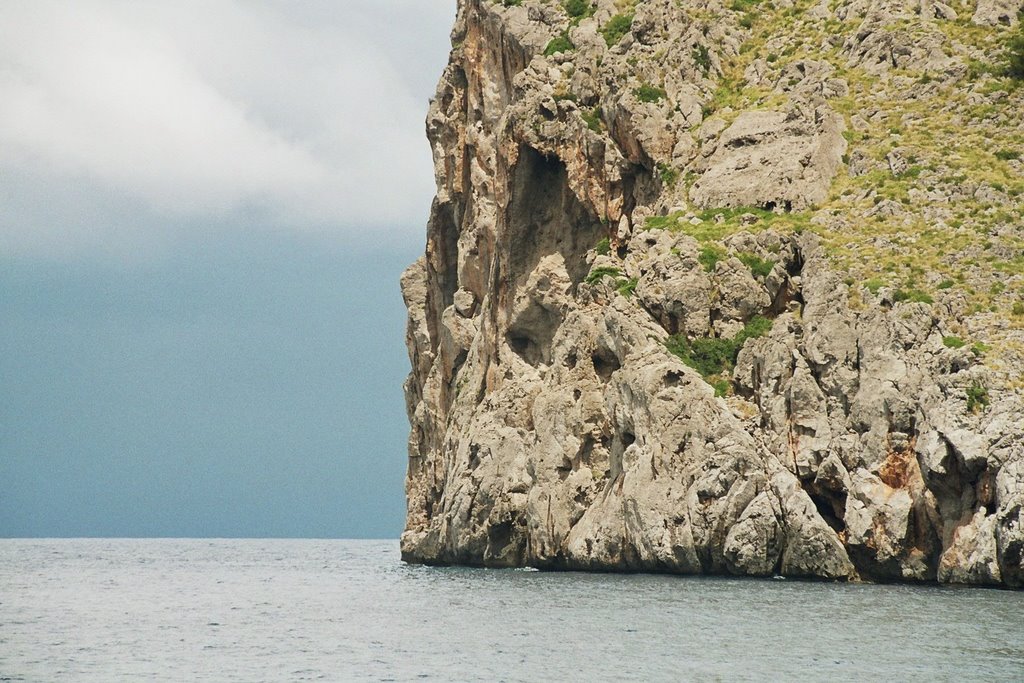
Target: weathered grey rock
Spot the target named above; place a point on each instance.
(552, 426)
(997, 12)
(773, 159)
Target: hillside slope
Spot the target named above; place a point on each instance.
(724, 289)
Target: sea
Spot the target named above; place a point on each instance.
(340, 610)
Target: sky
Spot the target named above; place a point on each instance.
(205, 207)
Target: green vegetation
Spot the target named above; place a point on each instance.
(603, 247)
(599, 273)
(710, 255)
(953, 342)
(593, 119)
(758, 267)
(717, 224)
(711, 356)
(758, 326)
(623, 285)
(668, 175)
(913, 295)
(578, 9)
(707, 355)
(511, 3)
(977, 398)
(874, 284)
(1015, 55)
(626, 287)
(949, 138)
(559, 44)
(662, 222)
(957, 132)
(702, 58)
(649, 93)
(616, 27)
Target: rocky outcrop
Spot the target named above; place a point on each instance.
(772, 159)
(614, 368)
(996, 12)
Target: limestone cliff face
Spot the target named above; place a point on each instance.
(639, 336)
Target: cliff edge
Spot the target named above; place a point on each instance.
(724, 288)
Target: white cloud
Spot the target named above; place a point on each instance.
(148, 117)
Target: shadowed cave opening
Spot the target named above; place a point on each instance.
(544, 217)
(605, 363)
(831, 506)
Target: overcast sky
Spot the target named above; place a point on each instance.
(127, 122)
(205, 206)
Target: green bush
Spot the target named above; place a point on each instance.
(668, 175)
(953, 342)
(1018, 308)
(946, 284)
(707, 355)
(758, 266)
(592, 119)
(758, 326)
(709, 256)
(579, 9)
(1015, 55)
(702, 58)
(627, 287)
(616, 27)
(977, 398)
(597, 274)
(559, 44)
(914, 295)
(1007, 154)
(650, 93)
(874, 284)
(713, 355)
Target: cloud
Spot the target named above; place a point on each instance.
(126, 122)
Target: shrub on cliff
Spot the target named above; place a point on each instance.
(578, 9)
(617, 27)
(759, 267)
(650, 93)
(711, 356)
(559, 44)
(977, 398)
(601, 272)
(1015, 58)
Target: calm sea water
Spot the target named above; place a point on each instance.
(273, 610)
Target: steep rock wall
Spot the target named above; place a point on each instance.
(562, 320)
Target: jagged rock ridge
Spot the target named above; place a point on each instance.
(635, 340)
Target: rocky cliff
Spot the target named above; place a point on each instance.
(723, 288)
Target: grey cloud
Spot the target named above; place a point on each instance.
(124, 119)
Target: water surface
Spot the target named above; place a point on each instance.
(282, 610)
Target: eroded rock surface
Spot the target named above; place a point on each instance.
(551, 424)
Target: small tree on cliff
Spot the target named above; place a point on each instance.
(1015, 60)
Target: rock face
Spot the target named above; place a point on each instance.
(606, 379)
(773, 159)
